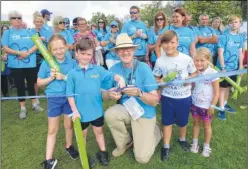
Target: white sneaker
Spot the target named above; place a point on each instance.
(38, 108)
(23, 114)
(206, 152)
(194, 148)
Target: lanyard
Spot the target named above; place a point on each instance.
(124, 73)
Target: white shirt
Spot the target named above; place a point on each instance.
(183, 65)
(202, 94)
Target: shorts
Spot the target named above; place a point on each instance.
(202, 113)
(225, 84)
(99, 122)
(175, 110)
(57, 106)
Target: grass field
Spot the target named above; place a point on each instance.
(23, 143)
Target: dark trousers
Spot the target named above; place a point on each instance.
(4, 85)
(22, 74)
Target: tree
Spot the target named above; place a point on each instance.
(5, 23)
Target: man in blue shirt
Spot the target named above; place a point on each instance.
(137, 31)
(141, 95)
(46, 15)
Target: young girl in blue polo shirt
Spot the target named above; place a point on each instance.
(55, 83)
(176, 98)
(86, 80)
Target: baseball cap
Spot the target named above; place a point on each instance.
(67, 21)
(45, 12)
(113, 23)
(74, 21)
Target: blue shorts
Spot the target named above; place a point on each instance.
(175, 110)
(57, 106)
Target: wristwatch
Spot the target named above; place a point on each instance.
(141, 93)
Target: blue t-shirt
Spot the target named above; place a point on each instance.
(186, 37)
(69, 39)
(142, 76)
(56, 87)
(19, 40)
(111, 54)
(231, 45)
(100, 34)
(130, 28)
(152, 39)
(206, 31)
(46, 27)
(87, 85)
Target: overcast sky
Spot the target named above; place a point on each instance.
(69, 9)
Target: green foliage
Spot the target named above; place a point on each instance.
(5, 23)
(96, 16)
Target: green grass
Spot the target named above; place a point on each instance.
(23, 143)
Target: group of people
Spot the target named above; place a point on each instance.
(83, 83)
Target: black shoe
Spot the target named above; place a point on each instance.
(103, 157)
(185, 145)
(50, 164)
(165, 154)
(91, 161)
(72, 152)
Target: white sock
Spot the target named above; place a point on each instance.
(182, 139)
(23, 108)
(225, 102)
(222, 108)
(37, 101)
(35, 104)
(206, 145)
(195, 141)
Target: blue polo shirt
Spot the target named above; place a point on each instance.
(186, 36)
(100, 34)
(20, 40)
(130, 28)
(206, 31)
(56, 87)
(231, 45)
(152, 39)
(111, 54)
(87, 84)
(141, 76)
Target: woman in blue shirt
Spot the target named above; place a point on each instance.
(101, 29)
(21, 59)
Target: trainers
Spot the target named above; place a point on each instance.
(103, 157)
(50, 164)
(194, 148)
(184, 145)
(229, 109)
(38, 108)
(117, 152)
(165, 154)
(222, 115)
(72, 152)
(23, 114)
(206, 152)
(91, 161)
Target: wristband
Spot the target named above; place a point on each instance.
(17, 52)
(140, 94)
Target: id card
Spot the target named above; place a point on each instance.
(134, 108)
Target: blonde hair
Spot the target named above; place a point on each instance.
(205, 52)
(54, 38)
(14, 13)
(37, 15)
(234, 17)
(221, 26)
(56, 21)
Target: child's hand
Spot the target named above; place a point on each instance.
(131, 91)
(210, 111)
(76, 115)
(114, 95)
(59, 76)
(4, 57)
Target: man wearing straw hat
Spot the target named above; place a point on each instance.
(135, 104)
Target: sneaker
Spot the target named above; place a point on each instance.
(194, 148)
(103, 157)
(229, 109)
(50, 164)
(91, 161)
(185, 145)
(117, 152)
(165, 154)
(222, 115)
(206, 152)
(38, 108)
(23, 114)
(72, 152)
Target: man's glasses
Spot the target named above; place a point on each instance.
(19, 18)
(159, 19)
(122, 50)
(133, 12)
(61, 22)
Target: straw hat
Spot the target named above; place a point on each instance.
(124, 41)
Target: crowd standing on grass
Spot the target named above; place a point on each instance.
(124, 62)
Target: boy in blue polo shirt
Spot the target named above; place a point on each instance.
(87, 105)
(55, 83)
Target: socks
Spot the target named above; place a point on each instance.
(195, 141)
(23, 108)
(166, 145)
(37, 101)
(225, 103)
(182, 139)
(206, 145)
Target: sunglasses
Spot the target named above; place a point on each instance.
(133, 13)
(19, 18)
(61, 22)
(159, 19)
(113, 26)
